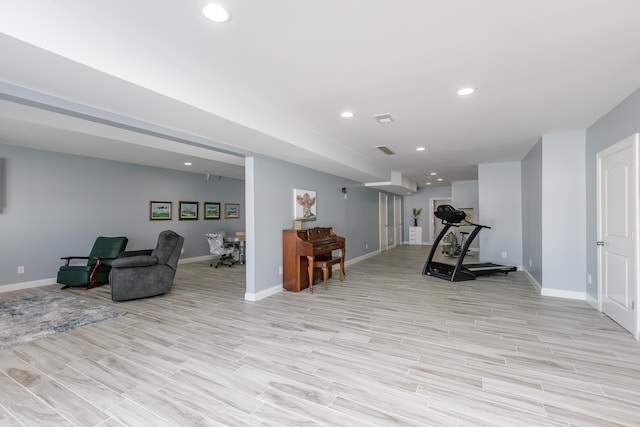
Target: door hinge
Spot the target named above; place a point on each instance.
(633, 305)
(600, 243)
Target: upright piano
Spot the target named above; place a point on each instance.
(299, 250)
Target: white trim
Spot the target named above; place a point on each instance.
(27, 285)
(561, 293)
(195, 259)
(52, 281)
(398, 229)
(250, 257)
(383, 226)
(278, 288)
(263, 294)
(533, 281)
(432, 218)
(593, 302)
(633, 142)
(558, 293)
(362, 257)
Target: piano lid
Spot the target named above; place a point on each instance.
(317, 233)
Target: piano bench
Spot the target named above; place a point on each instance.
(326, 265)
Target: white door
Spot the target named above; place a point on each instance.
(617, 229)
(384, 224)
(397, 220)
(436, 224)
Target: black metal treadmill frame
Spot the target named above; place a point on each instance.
(459, 271)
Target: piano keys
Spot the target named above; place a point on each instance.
(299, 250)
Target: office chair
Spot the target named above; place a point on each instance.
(223, 253)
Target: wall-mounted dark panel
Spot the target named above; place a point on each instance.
(3, 184)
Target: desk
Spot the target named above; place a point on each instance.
(240, 243)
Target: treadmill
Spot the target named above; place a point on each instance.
(458, 272)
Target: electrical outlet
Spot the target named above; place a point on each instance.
(21, 269)
(504, 254)
(182, 251)
(280, 270)
(530, 262)
(589, 278)
(366, 246)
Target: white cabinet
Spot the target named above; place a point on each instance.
(415, 235)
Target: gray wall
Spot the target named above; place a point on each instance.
(623, 120)
(532, 212)
(500, 207)
(272, 183)
(57, 204)
(421, 200)
(464, 195)
(563, 192)
(361, 220)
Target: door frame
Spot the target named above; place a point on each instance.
(432, 217)
(397, 221)
(631, 142)
(383, 218)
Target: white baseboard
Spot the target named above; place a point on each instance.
(195, 259)
(263, 294)
(593, 302)
(51, 281)
(27, 285)
(533, 281)
(278, 288)
(561, 293)
(362, 257)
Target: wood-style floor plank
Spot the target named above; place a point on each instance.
(388, 346)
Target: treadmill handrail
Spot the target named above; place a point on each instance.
(473, 224)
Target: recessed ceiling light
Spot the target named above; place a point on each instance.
(433, 173)
(439, 179)
(347, 114)
(187, 163)
(466, 91)
(428, 183)
(420, 149)
(216, 13)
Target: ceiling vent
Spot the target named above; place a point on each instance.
(383, 118)
(385, 150)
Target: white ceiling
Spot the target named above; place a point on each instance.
(158, 84)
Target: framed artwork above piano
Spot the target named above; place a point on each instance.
(305, 204)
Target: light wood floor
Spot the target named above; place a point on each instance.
(388, 346)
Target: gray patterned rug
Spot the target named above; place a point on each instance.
(28, 319)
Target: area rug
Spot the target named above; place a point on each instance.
(27, 319)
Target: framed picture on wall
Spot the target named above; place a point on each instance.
(159, 210)
(211, 210)
(231, 210)
(188, 210)
(305, 204)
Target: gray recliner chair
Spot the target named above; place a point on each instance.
(146, 273)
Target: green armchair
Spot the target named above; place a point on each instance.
(96, 270)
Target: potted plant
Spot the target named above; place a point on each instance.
(416, 215)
